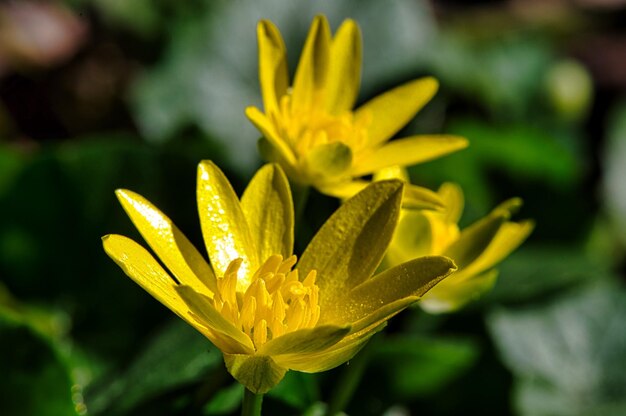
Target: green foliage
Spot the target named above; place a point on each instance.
(568, 356)
(35, 380)
(178, 356)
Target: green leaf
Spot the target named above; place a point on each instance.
(535, 271)
(569, 355)
(176, 357)
(409, 366)
(225, 401)
(297, 389)
(35, 380)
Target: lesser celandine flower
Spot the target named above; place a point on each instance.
(311, 129)
(475, 249)
(264, 310)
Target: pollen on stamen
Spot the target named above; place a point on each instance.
(275, 302)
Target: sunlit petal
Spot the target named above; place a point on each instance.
(268, 208)
(169, 243)
(224, 226)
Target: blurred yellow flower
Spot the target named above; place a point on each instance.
(475, 249)
(310, 128)
(265, 315)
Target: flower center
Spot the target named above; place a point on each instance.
(276, 302)
(307, 129)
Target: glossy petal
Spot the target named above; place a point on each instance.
(407, 151)
(410, 279)
(454, 295)
(304, 341)
(224, 226)
(202, 307)
(273, 74)
(265, 127)
(310, 78)
(392, 110)
(349, 246)
(268, 208)
(344, 72)
(169, 243)
(258, 373)
(139, 265)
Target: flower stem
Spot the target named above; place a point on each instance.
(349, 380)
(251, 404)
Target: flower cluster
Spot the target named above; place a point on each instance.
(387, 246)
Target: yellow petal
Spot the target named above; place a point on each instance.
(169, 243)
(392, 172)
(326, 359)
(273, 75)
(410, 279)
(304, 341)
(417, 197)
(349, 246)
(391, 111)
(452, 196)
(450, 296)
(265, 127)
(268, 208)
(344, 72)
(258, 373)
(475, 239)
(510, 236)
(407, 151)
(311, 75)
(202, 307)
(139, 265)
(224, 226)
(344, 189)
(329, 160)
(413, 238)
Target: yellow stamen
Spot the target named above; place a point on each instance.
(275, 302)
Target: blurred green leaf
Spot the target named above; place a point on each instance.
(176, 357)
(225, 401)
(535, 271)
(11, 161)
(298, 390)
(501, 72)
(410, 366)
(614, 157)
(34, 379)
(569, 355)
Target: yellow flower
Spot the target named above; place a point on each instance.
(264, 314)
(475, 249)
(310, 128)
